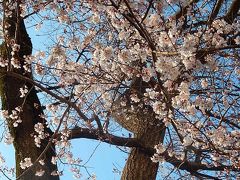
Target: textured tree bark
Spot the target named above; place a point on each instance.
(30, 104)
(23, 134)
(139, 166)
(139, 119)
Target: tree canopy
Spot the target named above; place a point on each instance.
(167, 71)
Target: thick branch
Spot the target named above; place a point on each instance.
(127, 142)
(215, 11)
(78, 133)
(232, 12)
(94, 134)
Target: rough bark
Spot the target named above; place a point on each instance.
(139, 165)
(30, 105)
(139, 119)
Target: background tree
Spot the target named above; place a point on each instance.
(24, 112)
(167, 71)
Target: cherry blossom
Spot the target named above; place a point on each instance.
(172, 65)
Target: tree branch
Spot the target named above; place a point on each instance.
(79, 132)
(215, 11)
(183, 10)
(232, 13)
(61, 99)
(146, 13)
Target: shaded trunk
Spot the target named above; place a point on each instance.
(24, 134)
(30, 105)
(139, 165)
(139, 119)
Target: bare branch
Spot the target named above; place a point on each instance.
(232, 12)
(62, 99)
(78, 133)
(215, 11)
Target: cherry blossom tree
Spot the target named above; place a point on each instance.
(167, 71)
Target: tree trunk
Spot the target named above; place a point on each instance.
(23, 134)
(139, 119)
(30, 105)
(139, 165)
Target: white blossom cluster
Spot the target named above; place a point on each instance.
(8, 139)
(15, 116)
(188, 68)
(26, 163)
(39, 129)
(157, 157)
(40, 172)
(181, 84)
(23, 91)
(76, 172)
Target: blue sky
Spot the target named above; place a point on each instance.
(103, 158)
(102, 163)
